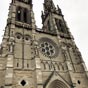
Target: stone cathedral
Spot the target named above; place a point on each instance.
(39, 58)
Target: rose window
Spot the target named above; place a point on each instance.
(47, 49)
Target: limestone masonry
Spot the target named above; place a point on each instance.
(39, 58)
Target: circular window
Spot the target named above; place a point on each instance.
(27, 37)
(18, 35)
(48, 47)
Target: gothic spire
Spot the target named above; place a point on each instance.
(49, 6)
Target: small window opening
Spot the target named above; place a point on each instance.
(49, 26)
(27, 65)
(58, 67)
(19, 14)
(49, 67)
(23, 82)
(79, 82)
(44, 66)
(17, 64)
(61, 26)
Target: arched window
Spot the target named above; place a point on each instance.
(57, 66)
(49, 26)
(60, 25)
(25, 15)
(43, 65)
(47, 66)
(18, 14)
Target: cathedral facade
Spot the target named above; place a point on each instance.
(39, 58)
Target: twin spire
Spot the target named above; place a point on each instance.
(23, 14)
(49, 6)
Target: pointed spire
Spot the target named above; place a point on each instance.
(49, 6)
(59, 10)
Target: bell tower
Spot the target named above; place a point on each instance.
(53, 19)
(17, 65)
(39, 58)
(63, 66)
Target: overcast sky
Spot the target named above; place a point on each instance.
(75, 13)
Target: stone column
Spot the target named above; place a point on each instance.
(38, 66)
(9, 72)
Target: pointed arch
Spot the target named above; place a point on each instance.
(61, 67)
(25, 11)
(47, 66)
(53, 66)
(18, 13)
(57, 84)
(57, 66)
(43, 65)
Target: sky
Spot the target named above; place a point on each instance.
(75, 13)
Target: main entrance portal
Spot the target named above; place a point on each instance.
(57, 84)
